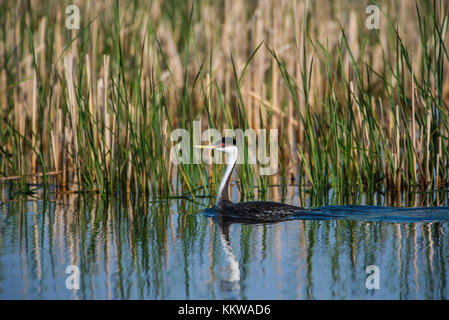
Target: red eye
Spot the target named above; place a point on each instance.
(222, 145)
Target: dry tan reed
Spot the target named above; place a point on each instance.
(69, 104)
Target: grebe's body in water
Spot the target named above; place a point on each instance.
(264, 211)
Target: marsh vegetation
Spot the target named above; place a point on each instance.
(91, 110)
(86, 117)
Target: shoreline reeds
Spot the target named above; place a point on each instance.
(91, 110)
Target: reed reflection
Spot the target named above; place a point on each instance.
(170, 249)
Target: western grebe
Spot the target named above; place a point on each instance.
(264, 211)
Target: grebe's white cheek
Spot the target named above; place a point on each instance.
(234, 150)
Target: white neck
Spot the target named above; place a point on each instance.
(231, 158)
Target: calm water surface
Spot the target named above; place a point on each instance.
(175, 250)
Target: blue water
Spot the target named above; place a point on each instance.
(376, 213)
(178, 250)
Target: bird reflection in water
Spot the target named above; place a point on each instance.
(231, 280)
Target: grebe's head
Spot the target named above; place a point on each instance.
(229, 147)
(226, 145)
